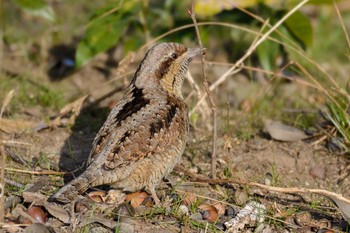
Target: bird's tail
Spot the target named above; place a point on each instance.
(77, 186)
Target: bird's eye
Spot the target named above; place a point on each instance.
(174, 55)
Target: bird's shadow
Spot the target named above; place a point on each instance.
(75, 152)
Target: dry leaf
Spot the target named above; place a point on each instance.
(35, 198)
(136, 198)
(282, 132)
(37, 213)
(115, 197)
(210, 213)
(98, 196)
(342, 203)
(58, 212)
(219, 207)
(188, 199)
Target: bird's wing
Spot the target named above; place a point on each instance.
(156, 133)
(138, 127)
(131, 103)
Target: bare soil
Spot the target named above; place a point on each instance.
(260, 159)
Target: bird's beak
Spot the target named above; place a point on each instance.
(192, 52)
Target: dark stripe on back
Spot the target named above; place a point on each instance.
(170, 115)
(159, 123)
(138, 102)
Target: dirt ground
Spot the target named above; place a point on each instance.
(40, 142)
(65, 147)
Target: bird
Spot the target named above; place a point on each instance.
(145, 133)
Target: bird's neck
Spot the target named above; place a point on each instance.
(172, 84)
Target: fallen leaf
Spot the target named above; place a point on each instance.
(342, 203)
(35, 198)
(58, 212)
(115, 197)
(98, 196)
(136, 198)
(210, 213)
(37, 213)
(188, 199)
(219, 207)
(282, 132)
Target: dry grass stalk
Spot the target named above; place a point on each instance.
(35, 172)
(207, 90)
(204, 110)
(342, 25)
(2, 183)
(1, 34)
(6, 102)
(342, 202)
(252, 49)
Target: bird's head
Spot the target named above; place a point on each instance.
(165, 64)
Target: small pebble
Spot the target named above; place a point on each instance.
(196, 216)
(318, 172)
(230, 211)
(183, 210)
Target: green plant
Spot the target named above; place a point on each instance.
(132, 23)
(339, 115)
(36, 7)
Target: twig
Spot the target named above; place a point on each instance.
(14, 183)
(36, 172)
(21, 212)
(11, 142)
(342, 24)
(277, 74)
(342, 202)
(3, 154)
(1, 34)
(206, 87)
(205, 197)
(205, 111)
(14, 200)
(2, 183)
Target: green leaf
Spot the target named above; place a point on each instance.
(105, 30)
(36, 7)
(212, 7)
(30, 4)
(321, 2)
(267, 53)
(300, 26)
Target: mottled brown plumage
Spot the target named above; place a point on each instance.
(146, 132)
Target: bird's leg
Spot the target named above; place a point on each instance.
(154, 196)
